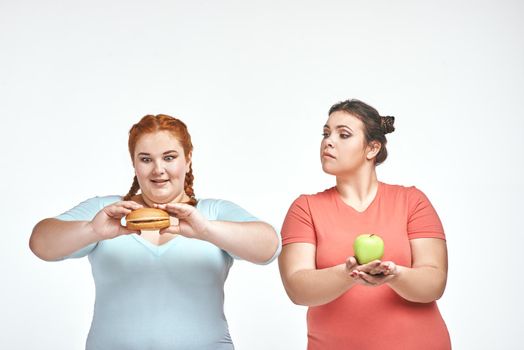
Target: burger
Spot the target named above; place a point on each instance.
(147, 219)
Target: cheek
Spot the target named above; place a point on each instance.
(140, 170)
(177, 169)
(346, 154)
(355, 153)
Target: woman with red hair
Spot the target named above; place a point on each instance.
(158, 289)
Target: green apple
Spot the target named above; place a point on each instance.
(368, 247)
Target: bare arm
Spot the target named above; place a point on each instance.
(426, 280)
(252, 241)
(256, 241)
(53, 239)
(304, 284)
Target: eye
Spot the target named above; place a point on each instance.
(145, 159)
(325, 134)
(345, 136)
(169, 158)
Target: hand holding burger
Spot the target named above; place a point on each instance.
(106, 224)
(147, 219)
(191, 223)
(187, 220)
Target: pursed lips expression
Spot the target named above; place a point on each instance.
(343, 147)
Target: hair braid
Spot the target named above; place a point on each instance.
(133, 190)
(188, 186)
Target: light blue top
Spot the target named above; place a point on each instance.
(158, 297)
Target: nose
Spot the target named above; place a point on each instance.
(328, 142)
(158, 168)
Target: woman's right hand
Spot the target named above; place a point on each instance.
(106, 223)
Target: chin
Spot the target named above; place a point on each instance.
(160, 198)
(329, 170)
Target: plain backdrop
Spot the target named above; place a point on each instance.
(254, 80)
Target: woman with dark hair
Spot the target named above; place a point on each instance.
(384, 304)
(158, 289)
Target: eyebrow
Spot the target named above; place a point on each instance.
(339, 127)
(148, 154)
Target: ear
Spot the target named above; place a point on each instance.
(372, 149)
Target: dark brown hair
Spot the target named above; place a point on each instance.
(161, 122)
(375, 126)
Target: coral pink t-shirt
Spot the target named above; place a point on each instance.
(368, 317)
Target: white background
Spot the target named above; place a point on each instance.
(254, 80)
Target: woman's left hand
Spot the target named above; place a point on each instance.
(375, 273)
(191, 223)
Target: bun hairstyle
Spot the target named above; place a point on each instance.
(375, 126)
(162, 122)
(386, 123)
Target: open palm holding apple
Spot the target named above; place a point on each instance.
(373, 274)
(366, 267)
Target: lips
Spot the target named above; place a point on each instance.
(328, 155)
(159, 181)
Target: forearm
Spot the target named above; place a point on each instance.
(419, 284)
(53, 239)
(256, 242)
(318, 287)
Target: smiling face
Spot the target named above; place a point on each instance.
(344, 149)
(160, 167)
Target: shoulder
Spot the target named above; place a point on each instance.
(324, 196)
(87, 209)
(408, 192)
(221, 209)
(100, 202)
(107, 200)
(308, 203)
(208, 201)
(409, 197)
(205, 204)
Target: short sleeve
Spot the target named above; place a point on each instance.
(298, 225)
(423, 221)
(85, 211)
